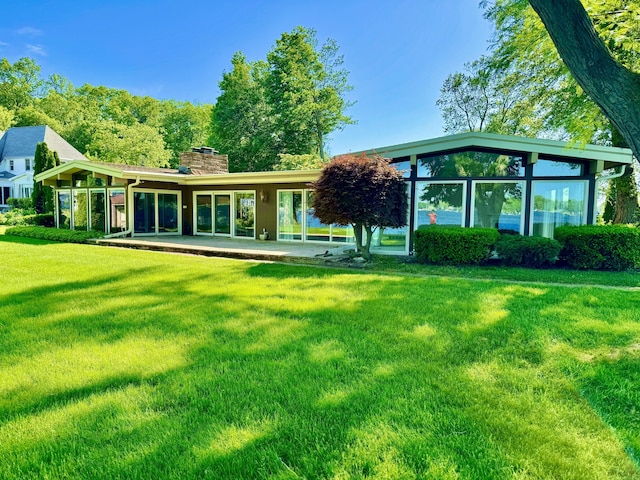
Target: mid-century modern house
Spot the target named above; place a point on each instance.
(525, 185)
(17, 152)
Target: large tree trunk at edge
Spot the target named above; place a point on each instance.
(614, 88)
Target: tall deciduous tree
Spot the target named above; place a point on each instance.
(20, 82)
(241, 123)
(365, 192)
(559, 107)
(305, 90)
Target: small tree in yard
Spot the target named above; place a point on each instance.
(365, 192)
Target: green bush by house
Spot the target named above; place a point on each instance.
(600, 247)
(533, 252)
(445, 244)
(55, 234)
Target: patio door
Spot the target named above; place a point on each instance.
(213, 213)
(157, 212)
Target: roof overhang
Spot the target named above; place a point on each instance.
(130, 172)
(612, 156)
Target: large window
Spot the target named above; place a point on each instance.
(204, 214)
(290, 215)
(441, 203)
(98, 210)
(156, 212)
(167, 213)
(551, 168)
(80, 209)
(557, 203)
(244, 214)
(63, 200)
(222, 204)
(117, 211)
(498, 204)
(470, 163)
(5, 192)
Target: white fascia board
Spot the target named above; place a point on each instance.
(292, 176)
(78, 166)
(508, 143)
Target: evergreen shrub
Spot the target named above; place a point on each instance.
(600, 247)
(534, 252)
(452, 245)
(55, 234)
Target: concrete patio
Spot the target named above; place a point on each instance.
(231, 247)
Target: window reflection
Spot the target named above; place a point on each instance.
(498, 205)
(551, 168)
(556, 204)
(440, 203)
(470, 164)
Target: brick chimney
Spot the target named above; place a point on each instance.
(204, 160)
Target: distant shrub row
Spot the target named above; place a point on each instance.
(611, 247)
(54, 234)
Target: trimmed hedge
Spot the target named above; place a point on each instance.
(600, 247)
(454, 245)
(41, 219)
(55, 234)
(534, 252)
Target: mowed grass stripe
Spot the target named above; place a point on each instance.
(129, 364)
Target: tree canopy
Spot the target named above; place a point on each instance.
(288, 104)
(104, 123)
(365, 192)
(524, 87)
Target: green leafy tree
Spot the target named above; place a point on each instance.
(108, 141)
(549, 101)
(305, 92)
(42, 196)
(298, 162)
(20, 83)
(365, 192)
(184, 125)
(241, 124)
(6, 118)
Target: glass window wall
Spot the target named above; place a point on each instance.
(470, 163)
(556, 204)
(441, 203)
(117, 211)
(144, 218)
(223, 213)
(97, 209)
(244, 214)
(80, 209)
(551, 168)
(64, 209)
(290, 215)
(204, 214)
(498, 205)
(167, 212)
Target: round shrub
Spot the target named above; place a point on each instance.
(534, 252)
(454, 245)
(600, 247)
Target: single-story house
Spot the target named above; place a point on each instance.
(17, 152)
(526, 185)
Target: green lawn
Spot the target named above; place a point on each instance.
(129, 364)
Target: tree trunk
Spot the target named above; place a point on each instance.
(614, 88)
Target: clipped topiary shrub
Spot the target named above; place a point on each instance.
(534, 252)
(454, 245)
(55, 234)
(600, 247)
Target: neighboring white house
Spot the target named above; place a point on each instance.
(17, 151)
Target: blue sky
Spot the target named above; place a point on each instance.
(398, 53)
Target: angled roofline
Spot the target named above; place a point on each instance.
(132, 172)
(506, 142)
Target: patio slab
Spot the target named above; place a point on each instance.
(230, 247)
